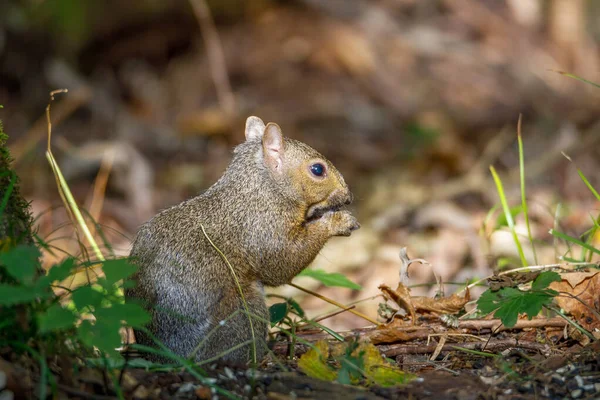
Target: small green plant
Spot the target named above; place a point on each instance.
(508, 302)
(288, 315)
(93, 313)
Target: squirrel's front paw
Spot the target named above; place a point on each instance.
(343, 223)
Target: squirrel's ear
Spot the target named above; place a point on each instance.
(255, 128)
(273, 147)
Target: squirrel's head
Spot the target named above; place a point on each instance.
(302, 174)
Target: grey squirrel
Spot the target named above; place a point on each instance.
(270, 214)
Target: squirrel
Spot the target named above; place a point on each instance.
(269, 215)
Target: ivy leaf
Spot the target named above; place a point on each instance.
(116, 270)
(21, 263)
(544, 279)
(277, 312)
(11, 295)
(330, 279)
(87, 296)
(56, 318)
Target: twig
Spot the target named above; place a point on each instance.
(335, 303)
(496, 345)
(63, 188)
(216, 58)
(527, 268)
(61, 111)
(521, 324)
(333, 314)
(330, 315)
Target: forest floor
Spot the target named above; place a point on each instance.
(565, 371)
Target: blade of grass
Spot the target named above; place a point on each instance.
(571, 322)
(475, 352)
(583, 177)
(187, 365)
(523, 196)
(578, 78)
(239, 287)
(507, 214)
(592, 235)
(334, 334)
(571, 239)
(64, 188)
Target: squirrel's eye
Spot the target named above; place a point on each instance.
(317, 169)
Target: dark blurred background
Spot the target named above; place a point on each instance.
(411, 99)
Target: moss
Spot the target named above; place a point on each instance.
(15, 217)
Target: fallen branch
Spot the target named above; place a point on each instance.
(493, 345)
(495, 324)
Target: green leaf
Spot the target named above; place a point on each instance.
(87, 296)
(544, 279)
(131, 313)
(277, 312)
(21, 263)
(56, 318)
(508, 303)
(103, 335)
(296, 307)
(62, 271)
(118, 269)
(11, 295)
(330, 279)
(58, 272)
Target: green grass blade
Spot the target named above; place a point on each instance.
(578, 78)
(475, 352)
(72, 204)
(523, 196)
(583, 178)
(571, 239)
(507, 214)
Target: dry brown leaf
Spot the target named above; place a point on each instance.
(575, 278)
(446, 305)
(585, 287)
(400, 296)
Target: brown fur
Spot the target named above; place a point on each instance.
(258, 215)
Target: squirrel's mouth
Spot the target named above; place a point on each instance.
(318, 210)
(335, 202)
